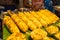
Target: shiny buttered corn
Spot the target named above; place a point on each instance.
(23, 27)
(33, 19)
(53, 16)
(38, 34)
(44, 17)
(30, 24)
(52, 29)
(16, 36)
(10, 24)
(39, 18)
(59, 24)
(57, 35)
(35, 24)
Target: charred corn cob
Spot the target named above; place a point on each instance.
(16, 36)
(52, 29)
(19, 22)
(10, 24)
(57, 35)
(39, 18)
(38, 34)
(33, 19)
(30, 24)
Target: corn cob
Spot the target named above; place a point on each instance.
(33, 19)
(16, 36)
(57, 35)
(10, 24)
(38, 34)
(52, 29)
(52, 15)
(19, 22)
(44, 17)
(47, 15)
(39, 18)
(30, 24)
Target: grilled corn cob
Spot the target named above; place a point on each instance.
(33, 19)
(19, 22)
(47, 15)
(52, 29)
(39, 18)
(10, 24)
(57, 35)
(47, 18)
(16, 36)
(30, 24)
(53, 16)
(44, 17)
(38, 34)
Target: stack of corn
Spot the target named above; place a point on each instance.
(18, 21)
(30, 24)
(16, 36)
(53, 18)
(34, 21)
(10, 24)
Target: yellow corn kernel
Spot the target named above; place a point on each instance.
(47, 15)
(16, 36)
(38, 34)
(10, 24)
(44, 17)
(33, 19)
(30, 24)
(57, 35)
(52, 29)
(19, 22)
(39, 18)
(52, 15)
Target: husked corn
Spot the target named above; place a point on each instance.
(30, 24)
(38, 34)
(47, 15)
(52, 15)
(57, 35)
(52, 29)
(44, 17)
(16, 36)
(10, 24)
(39, 18)
(19, 22)
(33, 19)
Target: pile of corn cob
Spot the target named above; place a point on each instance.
(34, 21)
